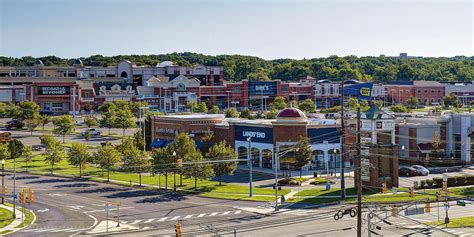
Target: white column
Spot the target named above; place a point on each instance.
(260, 159)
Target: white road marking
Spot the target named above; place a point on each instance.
(43, 210)
(188, 216)
(214, 213)
(61, 230)
(225, 213)
(175, 218)
(163, 218)
(135, 222)
(201, 215)
(149, 220)
(237, 212)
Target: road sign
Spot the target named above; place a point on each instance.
(414, 211)
(107, 207)
(445, 177)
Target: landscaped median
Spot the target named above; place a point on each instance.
(8, 224)
(320, 196)
(460, 222)
(206, 188)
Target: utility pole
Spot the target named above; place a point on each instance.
(359, 178)
(249, 139)
(343, 182)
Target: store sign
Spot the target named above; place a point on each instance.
(257, 134)
(54, 90)
(257, 88)
(365, 169)
(167, 131)
(366, 125)
(361, 91)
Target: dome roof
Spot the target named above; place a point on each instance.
(77, 62)
(291, 114)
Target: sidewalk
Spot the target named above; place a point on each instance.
(12, 226)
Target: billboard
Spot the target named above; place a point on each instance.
(361, 91)
(257, 134)
(54, 90)
(258, 88)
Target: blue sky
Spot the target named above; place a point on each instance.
(269, 29)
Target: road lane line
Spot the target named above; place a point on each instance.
(149, 220)
(214, 213)
(225, 213)
(237, 212)
(201, 215)
(188, 216)
(175, 218)
(163, 218)
(61, 230)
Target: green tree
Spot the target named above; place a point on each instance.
(353, 103)
(54, 154)
(90, 121)
(293, 104)
(28, 110)
(27, 155)
(108, 120)
(138, 139)
(271, 114)
(135, 108)
(44, 119)
(15, 148)
(399, 108)
(31, 124)
(223, 157)
(107, 107)
(140, 164)
(214, 110)
(163, 162)
(202, 107)
(364, 105)
(246, 114)
(79, 156)
(107, 157)
(231, 113)
(413, 102)
(124, 120)
(259, 75)
(303, 153)
(193, 106)
(4, 153)
(308, 106)
(64, 125)
(48, 140)
(184, 147)
(198, 169)
(278, 103)
(12, 111)
(87, 135)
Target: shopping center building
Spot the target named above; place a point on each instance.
(268, 140)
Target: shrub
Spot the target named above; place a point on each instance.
(451, 181)
(470, 180)
(461, 180)
(291, 181)
(429, 183)
(438, 182)
(319, 180)
(422, 184)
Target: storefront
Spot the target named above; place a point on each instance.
(55, 98)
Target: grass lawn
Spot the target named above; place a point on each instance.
(5, 217)
(28, 219)
(460, 222)
(39, 166)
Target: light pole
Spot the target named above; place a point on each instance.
(250, 168)
(3, 179)
(14, 187)
(174, 179)
(143, 127)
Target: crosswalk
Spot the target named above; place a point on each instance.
(452, 231)
(180, 217)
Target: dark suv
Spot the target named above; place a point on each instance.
(14, 124)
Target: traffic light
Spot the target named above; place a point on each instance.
(4, 191)
(178, 230)
(411, 191)
(180, 163)
(445, 186)
(31, 197)
(384, 188)
(439, 197)
(22, 197)
(427, 207)
(394, 211)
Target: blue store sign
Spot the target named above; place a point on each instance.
(262, 88)
(258, 134)
(361, 91)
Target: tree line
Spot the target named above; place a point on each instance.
(240, 67)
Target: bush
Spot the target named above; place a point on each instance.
(422, 184)
(320, 180)
(438, 182)
(470, 180)
(291, 181)
(460, 180)
(429, 183)
(451, 181)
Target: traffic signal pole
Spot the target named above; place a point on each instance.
(343, 182)
(359, 179)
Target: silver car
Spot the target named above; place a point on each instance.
(421, 170)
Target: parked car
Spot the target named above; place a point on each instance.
(407, 171)
(92, 132)
(38, 147)
(14, 124)
(421, 170)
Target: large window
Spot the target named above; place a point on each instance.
(57, 107)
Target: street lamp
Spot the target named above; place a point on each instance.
(174, 180)
(143, 128)
(250, 161)
(3, 179)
